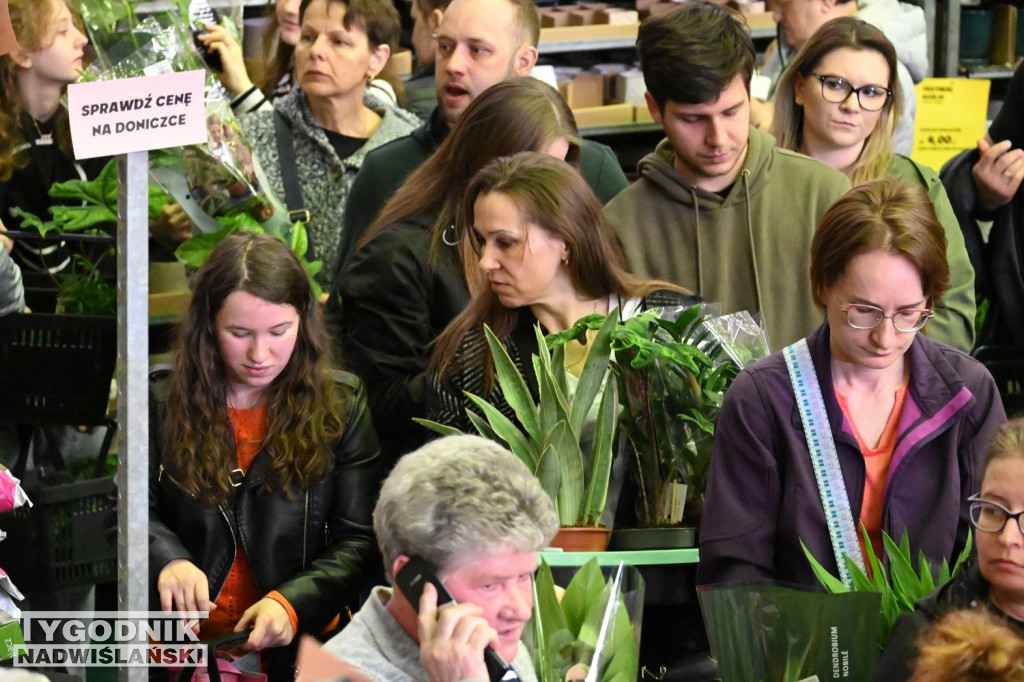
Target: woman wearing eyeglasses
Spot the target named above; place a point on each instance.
(996, 580)
(839, 102)
(908, 416)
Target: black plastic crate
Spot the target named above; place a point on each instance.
(56, 369)
(60, 542)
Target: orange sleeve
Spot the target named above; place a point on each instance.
(279, 598)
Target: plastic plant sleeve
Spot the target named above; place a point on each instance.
(593, 631)
(218, 179)
(775, 633)
(12, 495)
(673, 365)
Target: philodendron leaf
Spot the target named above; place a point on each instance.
(513, 386)
(194, 251)
(32, 221)
(577, 332)
(78, 218)
(100, 191)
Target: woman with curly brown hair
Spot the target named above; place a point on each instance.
(265, 466)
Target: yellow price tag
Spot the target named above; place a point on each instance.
(951, 117)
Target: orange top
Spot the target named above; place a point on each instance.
(876, 466)
(239, 590)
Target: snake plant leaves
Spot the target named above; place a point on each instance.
(604, 442)
(564, 450)
(595, 370)
(513, 386)
(436, 427)
(505, 429)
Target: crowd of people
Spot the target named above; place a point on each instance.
(288, 478)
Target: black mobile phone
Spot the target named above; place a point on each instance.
(211, 58)
(411, 579)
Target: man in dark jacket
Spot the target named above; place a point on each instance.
(479, 43)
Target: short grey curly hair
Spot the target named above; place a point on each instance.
(458, 499)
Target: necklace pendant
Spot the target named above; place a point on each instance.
(44, 138)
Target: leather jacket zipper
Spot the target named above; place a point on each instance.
(234, 549)
(305, 530)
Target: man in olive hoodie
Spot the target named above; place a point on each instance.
(719, 209)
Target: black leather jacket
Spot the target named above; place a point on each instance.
(316, 549)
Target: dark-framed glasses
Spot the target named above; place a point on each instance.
(863, 316)
(991, 517)
(837, 90)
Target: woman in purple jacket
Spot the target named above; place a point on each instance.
(909, 416)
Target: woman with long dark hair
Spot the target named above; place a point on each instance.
(405, 281)
(549, 258)
(265, 467)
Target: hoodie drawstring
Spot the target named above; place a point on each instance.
(696, 218)
(750, 237)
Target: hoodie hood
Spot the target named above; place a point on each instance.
(657, 167)
(749, 249)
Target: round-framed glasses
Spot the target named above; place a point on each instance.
(991, 517)
(837, 90)
(863, 316)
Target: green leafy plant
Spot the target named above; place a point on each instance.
(672, 376)
(901, 586)
(548, 436)
(590, 618)
(81, 288)
(194, 251)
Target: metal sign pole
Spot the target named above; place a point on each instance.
(133, 390)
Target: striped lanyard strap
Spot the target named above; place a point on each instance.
(822, 448)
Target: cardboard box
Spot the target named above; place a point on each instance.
(611, 115)
(584, 91)
(616, 15)
(609, 71)
(658, 8)
(630, 88)
(553, 17)
(581, 16)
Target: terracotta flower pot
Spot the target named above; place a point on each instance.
(576, 539)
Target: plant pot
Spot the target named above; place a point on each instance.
(576, 539)
(669, 537)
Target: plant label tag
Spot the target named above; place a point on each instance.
(675, 501)
(137, 114)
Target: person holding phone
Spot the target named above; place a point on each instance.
(465, 513)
